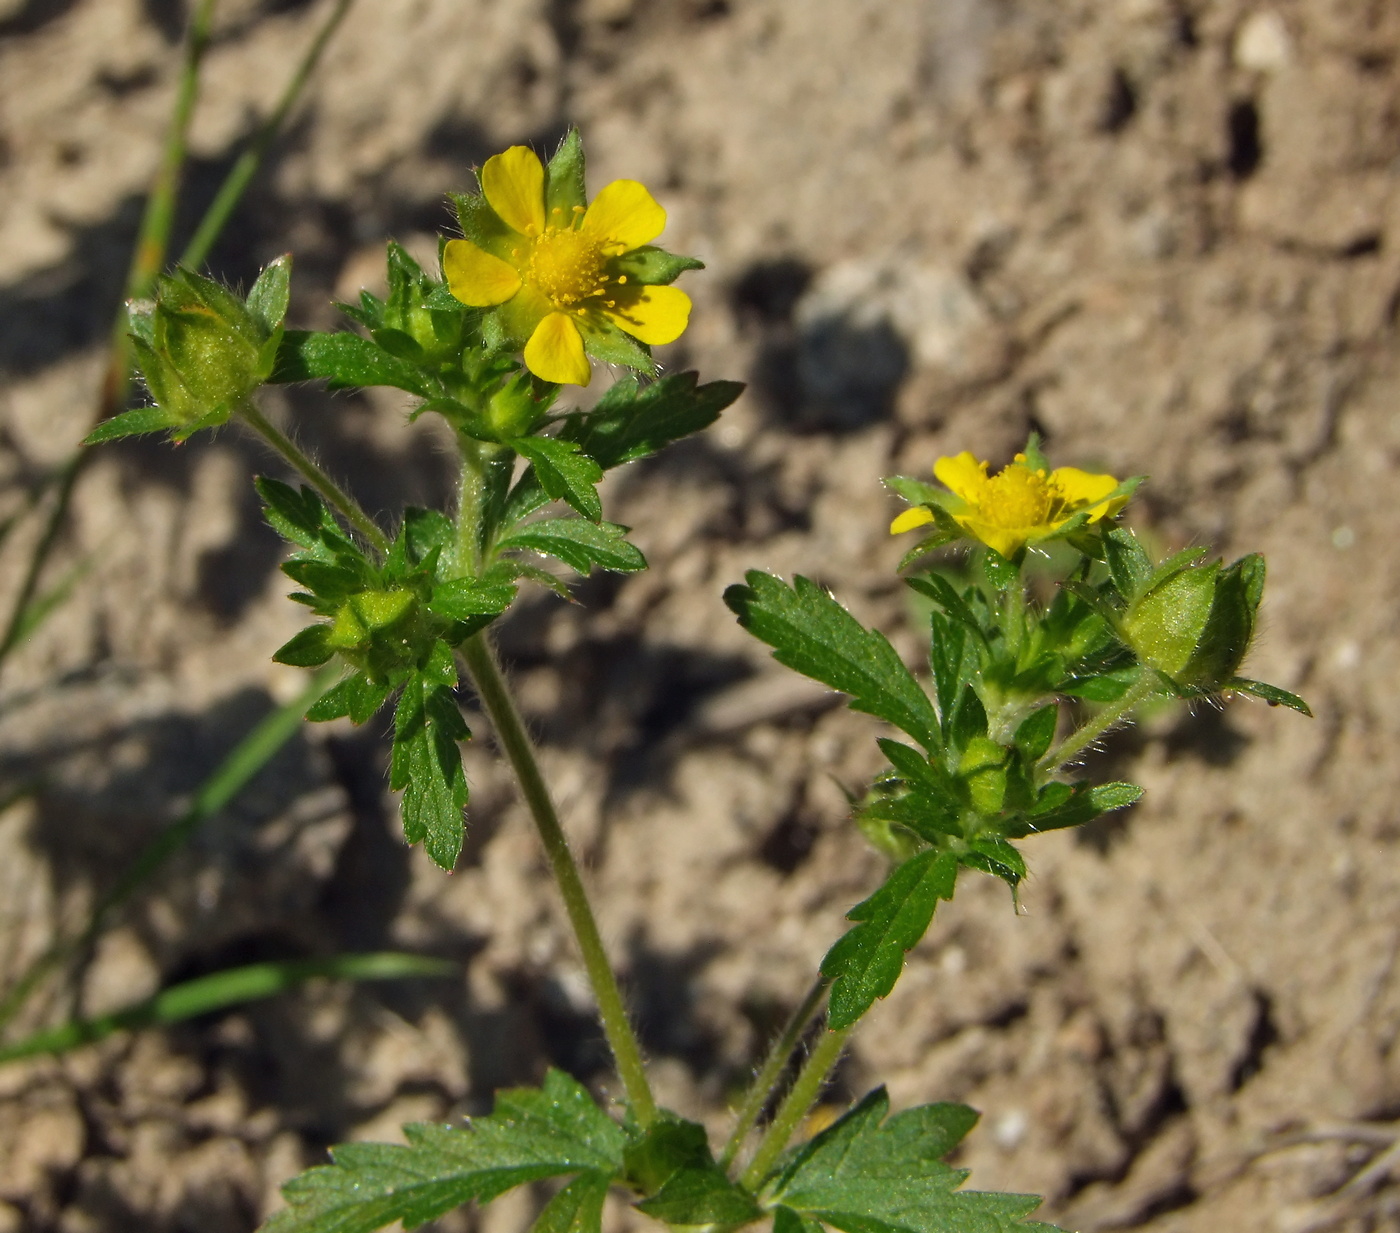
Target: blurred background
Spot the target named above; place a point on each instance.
(1165, 234)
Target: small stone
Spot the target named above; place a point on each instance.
(1262, 44)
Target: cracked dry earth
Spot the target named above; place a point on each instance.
(1164, 234)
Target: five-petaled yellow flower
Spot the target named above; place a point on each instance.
(1019, 504)
(567, 278)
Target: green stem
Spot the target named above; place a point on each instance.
(241, 174)
(515, 742)
(1089, 732)
(795, 1106)
(317, 478)
(766, 1081)
(473, 494)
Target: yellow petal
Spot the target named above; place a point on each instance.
(555, 352)
(911, 518)
(1083, 490)
(653, 315)
(477, 278)
(962, 475)
(1006, 542)
(626, 214)
(513, 182)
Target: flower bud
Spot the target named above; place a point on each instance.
(379, 632)
(202, 349)
(983, 769)
(514, 409)
(1195, 626)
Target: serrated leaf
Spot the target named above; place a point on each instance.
(1271, 694)
(670, 1144)
(580, 544)
(866, 1174)
(564, 472)
(632, 421)
(531, 1134)
(343, 360)
(308, 649)
(426, 766)
(955, 660)
(356, 696)
(464, 599)
(945, 595)
(1036, 732)
(696, 1196)
(811, 633)
(969, 719)
(300, 517)
(578, 1208)
(130, 424)
(866, 961)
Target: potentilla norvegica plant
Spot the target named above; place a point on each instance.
(981, 755)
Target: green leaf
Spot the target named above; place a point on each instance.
(555, 1131)
(130, 424)
(300, 517)
(1063, 805)
(811, 633)
(1271, 694)
(307, 649)
(651, 265)
(426, 766)
(969, 719)
(693, 1196)
(670, 1144)
(785, 1220)
(1036, 732)
(580, 544)
(578, 1208)
(631, 422)
(943, 593)
(564, 472)
(356, 696)
(463, 599)
(955, 661)
(269, 296)
(344, 360)
(867, 1174)
(992, 854)
(866, 961)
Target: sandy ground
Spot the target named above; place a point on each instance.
(1164, 234)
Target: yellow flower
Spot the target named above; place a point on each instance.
(1019, 504)
(567, 278)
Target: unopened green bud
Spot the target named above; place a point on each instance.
(514, 409)
(202, 349)
(983, 769)
(1196, 625)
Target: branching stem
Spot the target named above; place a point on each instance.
(516, 744)
(1082, 737)
(317, 478)
(765, 1083)
(796, 1105)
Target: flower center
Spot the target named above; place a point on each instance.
(566, 265)
(1017, 497)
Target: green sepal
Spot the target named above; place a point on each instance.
(483, 226)
(308, 649)
(356, 697)
(344, 361)
(652, 266)
(916, 491)
(1102, 686)
(866, 961)
(580, 544)
(1035, 733)
(610, 344)
(465, 599)
(1076, 525)
(1128, 562)
(992, 854)
(564, 180)
(564, 472)
(1062, 805)
(813, 634)
(426, 766)
(130, 424)
(1000, 572)
(1271, 694)
(270, 295)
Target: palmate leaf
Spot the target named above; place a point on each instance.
(811, 633)
(866, 961)
(531, 1134)
(867, 1174)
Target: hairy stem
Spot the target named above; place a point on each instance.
(317, 478)
(515, 742)
(1084, 736)
(795, 1105)
(765, 1083)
